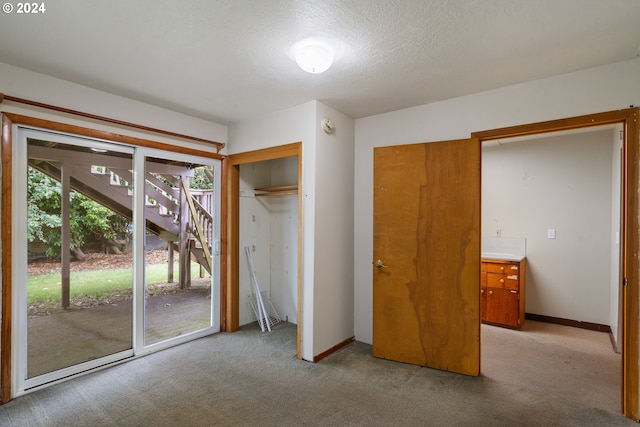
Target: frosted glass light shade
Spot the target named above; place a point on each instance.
(313, 56)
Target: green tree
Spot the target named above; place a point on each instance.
(202, 178)
(89, 220)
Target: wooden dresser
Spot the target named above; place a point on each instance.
(502, 291)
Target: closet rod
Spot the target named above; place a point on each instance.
(219, 145)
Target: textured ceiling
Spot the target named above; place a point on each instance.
(226, 60)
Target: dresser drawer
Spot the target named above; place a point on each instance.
(504, 281)
(506, 268)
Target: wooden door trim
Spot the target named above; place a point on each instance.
(279, 152)
(630, 307)
(6, 145)
(6, 274)
(108, 136)
(233, 230)
(3, 97)
(589, 120)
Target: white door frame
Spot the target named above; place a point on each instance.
(20, 384)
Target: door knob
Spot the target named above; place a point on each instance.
(379, 264)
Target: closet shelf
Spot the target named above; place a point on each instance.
(283, 190)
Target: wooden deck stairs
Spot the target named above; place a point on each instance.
(176, 213)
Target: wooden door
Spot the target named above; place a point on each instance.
(426, 255)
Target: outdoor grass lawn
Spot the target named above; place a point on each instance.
(95, 283)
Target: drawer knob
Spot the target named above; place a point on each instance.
(490, 292)
(501, 280)
(501, 268)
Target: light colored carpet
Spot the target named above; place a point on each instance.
(250, 378)
(561, 361)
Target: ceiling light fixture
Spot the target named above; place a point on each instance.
(314, 55)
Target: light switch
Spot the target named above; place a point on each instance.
(551, 233)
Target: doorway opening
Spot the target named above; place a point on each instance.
(561, 192)
(628, 243)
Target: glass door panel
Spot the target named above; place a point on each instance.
(115, 253)
(179, 216)
(78, 292)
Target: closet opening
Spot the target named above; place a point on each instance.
(264, 239)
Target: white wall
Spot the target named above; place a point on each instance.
(26, 84)
(327, 192)
(560, 182)
(605, 88)
(333, 286)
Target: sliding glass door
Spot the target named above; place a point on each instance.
(114, 253)
(180, 247)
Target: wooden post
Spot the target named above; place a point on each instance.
(65, 233)
(184, 277)
(170, 261)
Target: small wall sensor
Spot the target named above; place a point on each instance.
(328, 126)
